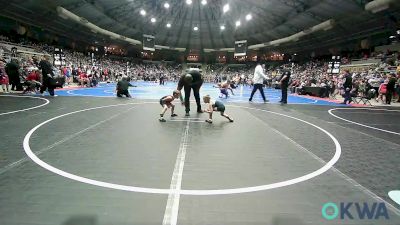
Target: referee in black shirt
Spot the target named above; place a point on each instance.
(284, 81)
(47, 75)
(191, 80)
(123, 88)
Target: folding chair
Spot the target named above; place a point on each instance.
(364, 100)
(333, 94)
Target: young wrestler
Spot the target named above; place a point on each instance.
(166, 102)
(224, 87)
(214, 106)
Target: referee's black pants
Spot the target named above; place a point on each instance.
(47, 86)
(120, 93)
(196, 93)
(284, 93)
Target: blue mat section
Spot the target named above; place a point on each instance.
(149, 90)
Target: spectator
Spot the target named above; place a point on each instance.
(12, 70)
(390, 88)
(347, 85)
(398, 87)
(32, 81)
(83, 78)
(382, 91)
(4, 78)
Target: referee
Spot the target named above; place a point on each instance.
(284, 81)
(258, 82)
(191, 80)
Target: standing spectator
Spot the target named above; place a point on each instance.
(382, 91)
(4, 78)
(390, 88)
(47, 75)
(12, 70)
(398, 87)
(258, 81)
(347, 85)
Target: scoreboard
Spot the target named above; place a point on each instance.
(59, 57)
(240, 48)
(148, 43)
(334, 65)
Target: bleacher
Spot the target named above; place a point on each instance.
(8, 46)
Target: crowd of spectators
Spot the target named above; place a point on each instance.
(314, 74)
(89, 71)
(367, 81)
(80, 69)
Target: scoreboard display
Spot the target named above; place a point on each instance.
(59, 57)
(334, 65)
(240, 48)
(148, 43)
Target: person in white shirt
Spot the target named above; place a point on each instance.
(258, 80)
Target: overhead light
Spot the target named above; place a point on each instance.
(142, 12)
(237, 23)
(153, 20)
(166, 5)
(249, 17)
(225, 8)
(168, 25)
(195, 28)
(188, 2)
(204, 2)
(222, 27)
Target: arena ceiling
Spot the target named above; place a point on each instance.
(271, 20)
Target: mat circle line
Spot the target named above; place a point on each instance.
(26, 109)
(300, 179)
(360, 124)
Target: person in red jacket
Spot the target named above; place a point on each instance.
(83, 78)
(4, 81)
(32, 81)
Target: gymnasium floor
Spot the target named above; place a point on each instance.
(107, 161)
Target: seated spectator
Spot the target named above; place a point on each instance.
(32, 81)
(66, 71)
(83, 79)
